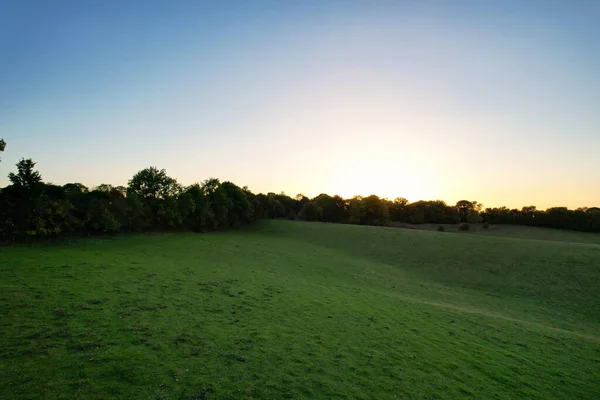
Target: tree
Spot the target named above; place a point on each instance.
(309, 212)
(287, 204)
(241, 210)
(340, 211)
(594, 216)
(474, 215)
(464, 207)
(152, 183)
(398, 209)
(103, 210)
(138, 216)
(273, 206)
(2, 145)
(433, 211)
(300, 201)
(325, 206)
(376, 211)
(26, 176)
(28, 206)
(469, 211)
(356, 211)
(528, 215)
(75, 189)
(219, 204)
(200, 217)
(104, 187)
(414, 213)
(157, 191)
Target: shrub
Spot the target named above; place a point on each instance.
(441, 229)
(485, 225)
(464, 227)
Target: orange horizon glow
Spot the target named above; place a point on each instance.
(404, 99)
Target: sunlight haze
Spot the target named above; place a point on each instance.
(498, 103)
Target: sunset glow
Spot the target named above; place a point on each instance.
(421, 100)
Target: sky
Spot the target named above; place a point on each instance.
(497, 102)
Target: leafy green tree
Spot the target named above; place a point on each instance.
(138, 216)
(153, 184)
(356, 210)
(259, 213)
(287, 203)
(159, 192)
(331, 209)
(433, 211)
(76, 195)
(273, 206)
(169, 214)
(201, 215)
(105, 210)
(241, 210)
(309, 212)
(220, 204)
(375, 211)
(325, 207)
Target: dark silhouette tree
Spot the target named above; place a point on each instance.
(26, 176)
(2, 146)
(154, 201)
(300, 201)
(469, 211)
(464, 207)
(75, 188)
(375, 211)
(326, 207)
(309, 211)
(397, 209)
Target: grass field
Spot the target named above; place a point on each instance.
(302, 310)
(514, 231)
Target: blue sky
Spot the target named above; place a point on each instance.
(491, 101)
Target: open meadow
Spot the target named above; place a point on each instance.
(303, 310)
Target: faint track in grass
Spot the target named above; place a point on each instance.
(475, 311)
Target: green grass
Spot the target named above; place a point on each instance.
(301, 310)
(514, 231)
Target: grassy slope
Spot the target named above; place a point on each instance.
(514, 231)
(531, 232)
(301, 310)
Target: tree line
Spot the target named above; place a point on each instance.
(154, 201)
(373, 210)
